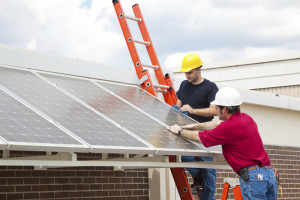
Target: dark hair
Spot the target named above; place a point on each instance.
(232, 109)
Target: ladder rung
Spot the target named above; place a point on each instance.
(142, 42)
(151, 66)
(162, 86)
(160, 90)
(133, 18)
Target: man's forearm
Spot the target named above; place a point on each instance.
(207, 125)
(192, 135)
(205, 112)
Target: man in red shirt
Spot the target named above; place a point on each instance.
(241, 144)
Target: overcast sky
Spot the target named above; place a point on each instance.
(219, 30)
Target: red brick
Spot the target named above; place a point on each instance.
(7, 173)
(23, 188)
(82, 187)
(31, 195)
(14, 181)
(38, 187)
(7, 189)
(15, 196)
(47, 195)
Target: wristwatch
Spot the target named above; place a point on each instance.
(179, 131)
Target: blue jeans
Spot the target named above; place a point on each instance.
(208, 176)
(261, 185)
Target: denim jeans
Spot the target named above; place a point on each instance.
(209, 176)
(261, 185)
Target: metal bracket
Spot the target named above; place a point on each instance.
(143, 79)
(233, 182)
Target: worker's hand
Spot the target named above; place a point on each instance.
(187, 108)
(174, 129)
(189, 126)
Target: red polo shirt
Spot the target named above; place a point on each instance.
(240, 140)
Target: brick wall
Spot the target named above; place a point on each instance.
(103, 183)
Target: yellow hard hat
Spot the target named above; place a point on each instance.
(190, 61)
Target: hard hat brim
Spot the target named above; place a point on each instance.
(221, 104)
(188, 69)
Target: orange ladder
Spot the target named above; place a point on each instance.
(165, 83)
(234, 183)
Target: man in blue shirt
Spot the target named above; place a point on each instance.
(194, 96)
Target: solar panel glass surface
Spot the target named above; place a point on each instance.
(19, 124)
(155, 107)
(69, 113)
(127, 116)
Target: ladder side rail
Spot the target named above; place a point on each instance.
(236, 188)
(147, 84)
(169, 96)
(172, 90)
(237, 193)
(225, 191)
(181, 182)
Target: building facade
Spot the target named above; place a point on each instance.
(277, 117)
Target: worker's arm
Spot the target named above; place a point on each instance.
(205, 112)
(192, 135)
(179, 103)
(202, 126)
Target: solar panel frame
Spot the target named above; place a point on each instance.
(167, 117)
(163, 112)
(145, 149)
(149, 149)
(38, 146)
(162, 151)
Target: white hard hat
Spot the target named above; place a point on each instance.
(227, 96)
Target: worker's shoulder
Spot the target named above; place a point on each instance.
(206, 81)
(184, 83)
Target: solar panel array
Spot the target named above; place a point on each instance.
(42, 111)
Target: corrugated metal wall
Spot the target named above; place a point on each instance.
(293, 91)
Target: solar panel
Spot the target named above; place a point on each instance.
(98, 132)
(158, 109)
(20, 126)
(155, 107)
(127, 116)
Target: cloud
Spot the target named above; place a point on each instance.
(17, 23)
(218, 30)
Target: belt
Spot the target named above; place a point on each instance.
(255, 167)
